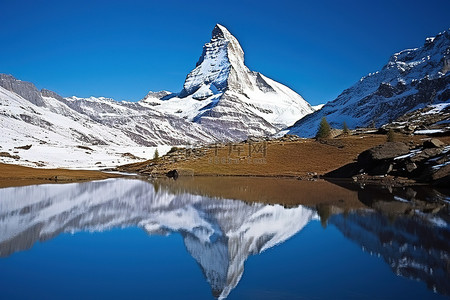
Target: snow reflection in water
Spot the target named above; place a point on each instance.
(220, 233)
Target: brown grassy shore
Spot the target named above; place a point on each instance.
(283, 191)
(300, 158)
(13, 175)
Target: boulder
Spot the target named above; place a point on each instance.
(426, 154)
(433, 143)
(442, 177)
(385, 151)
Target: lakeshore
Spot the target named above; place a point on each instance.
(14, 175)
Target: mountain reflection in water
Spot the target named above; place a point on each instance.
(225, 220)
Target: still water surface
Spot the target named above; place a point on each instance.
(234, 238)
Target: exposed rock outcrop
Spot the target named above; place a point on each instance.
(429, 163)
(25, 89)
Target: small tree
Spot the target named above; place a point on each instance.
(156, 155)
(324, 212)
(324, 130)
(373, 124)
(345, 129)
(390, 136)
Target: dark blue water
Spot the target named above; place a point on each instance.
(123, 239)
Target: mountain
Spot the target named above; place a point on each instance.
(31, 116)
(412, 79)
(221, 100)
(220, 234)
(228, 99)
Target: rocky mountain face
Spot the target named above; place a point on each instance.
(221, 100)
(27, 90)
(220, 234)
(228, 99)
(412, 79)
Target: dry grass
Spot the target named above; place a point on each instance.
(13, 175)
(298, 158)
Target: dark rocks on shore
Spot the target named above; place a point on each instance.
(433, 143)
(377, 160)
(428, 164)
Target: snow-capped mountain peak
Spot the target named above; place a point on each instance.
(220, 65)
(228, 99)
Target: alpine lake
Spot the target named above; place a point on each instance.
(224, 238)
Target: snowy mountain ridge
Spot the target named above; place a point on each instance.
(412, 79)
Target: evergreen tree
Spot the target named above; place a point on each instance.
(156, 155)
(345, 129)
(324, 130)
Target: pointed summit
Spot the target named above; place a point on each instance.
(230, 100)
(222, 59)
(220, 31)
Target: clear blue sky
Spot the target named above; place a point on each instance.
(123, 49)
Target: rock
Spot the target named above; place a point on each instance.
(442, 177)
(425, 154)
(172, 174)
(6, 154)
(26, 147)
(23, 88)
(51, 94)
(388, 150)
(433, 143)
(428, 165)
(85, 148)
(410, 167)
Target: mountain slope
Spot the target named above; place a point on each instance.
(31, 116)
(412, 79)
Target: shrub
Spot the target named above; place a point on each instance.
(156, 155)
